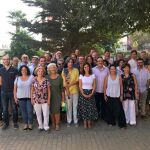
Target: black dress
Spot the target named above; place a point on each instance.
(128, 87)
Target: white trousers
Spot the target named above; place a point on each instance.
(130, 112)
(39, 109)
(72, 104)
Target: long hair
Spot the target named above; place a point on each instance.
(90, 68)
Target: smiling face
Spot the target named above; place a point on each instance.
(24, 71)
(126, 70)
(40, 72)
(100, 62)
(112, 70)
(6, 60)
(140, 63)
(52, 69)
(86, 69)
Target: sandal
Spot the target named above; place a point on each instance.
(57, 128)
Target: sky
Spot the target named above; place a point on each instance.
(5, 27)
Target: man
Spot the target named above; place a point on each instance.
(95, 57)
(34, 63)
(100, 72)
(48, 57)
(143, 78)
(80, 63)
(42, 63)
(77, 53)
(107, 57)
(15, 62)
(133, 60)
(119, 57)
(24, 60)
(7, 77)
(60, 66)
(145, 58)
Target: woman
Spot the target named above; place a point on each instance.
(22, 87)
(40, 97)
(87, 106)
(113, 92)
(130, 94)
(89, 59)
(70, 77)
(57, 94)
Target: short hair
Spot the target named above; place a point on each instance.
(24, 55)
(126, 65)
(121, 60)
(140, 59)
(106, 51)
(105, 61)
(68, 59)
(20, 69)
(42, 57)
(144, 52)
(35, 57)
(51, 64)
(134, 51)
(90, 69)
(6, 56)
(39, 67)
(100, 58)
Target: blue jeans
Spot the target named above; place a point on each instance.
(26, 110)
(8, 98)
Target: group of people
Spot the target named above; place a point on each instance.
(91, 87)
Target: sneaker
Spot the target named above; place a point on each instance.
(5, 126)
(16, 126)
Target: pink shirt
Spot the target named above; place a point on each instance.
(100, 75)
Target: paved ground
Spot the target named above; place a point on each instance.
(100, 137)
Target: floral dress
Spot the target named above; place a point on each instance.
(40, 92)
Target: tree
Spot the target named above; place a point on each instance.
(22, 44)
(16, 17)
(139, 39)
(70, 24)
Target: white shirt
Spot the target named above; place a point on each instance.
(23, 87)
(133, 64)
(87, 82)
(142, 76)
(100, 75)
(113, 87)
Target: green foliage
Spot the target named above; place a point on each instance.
(22, 44)
(140, 38)
(70, 24)
(16, 17)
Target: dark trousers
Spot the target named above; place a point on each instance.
(1, 108)
(8, 98)
(101, 105)
(115, 112)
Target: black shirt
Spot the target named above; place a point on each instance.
(8, 78)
